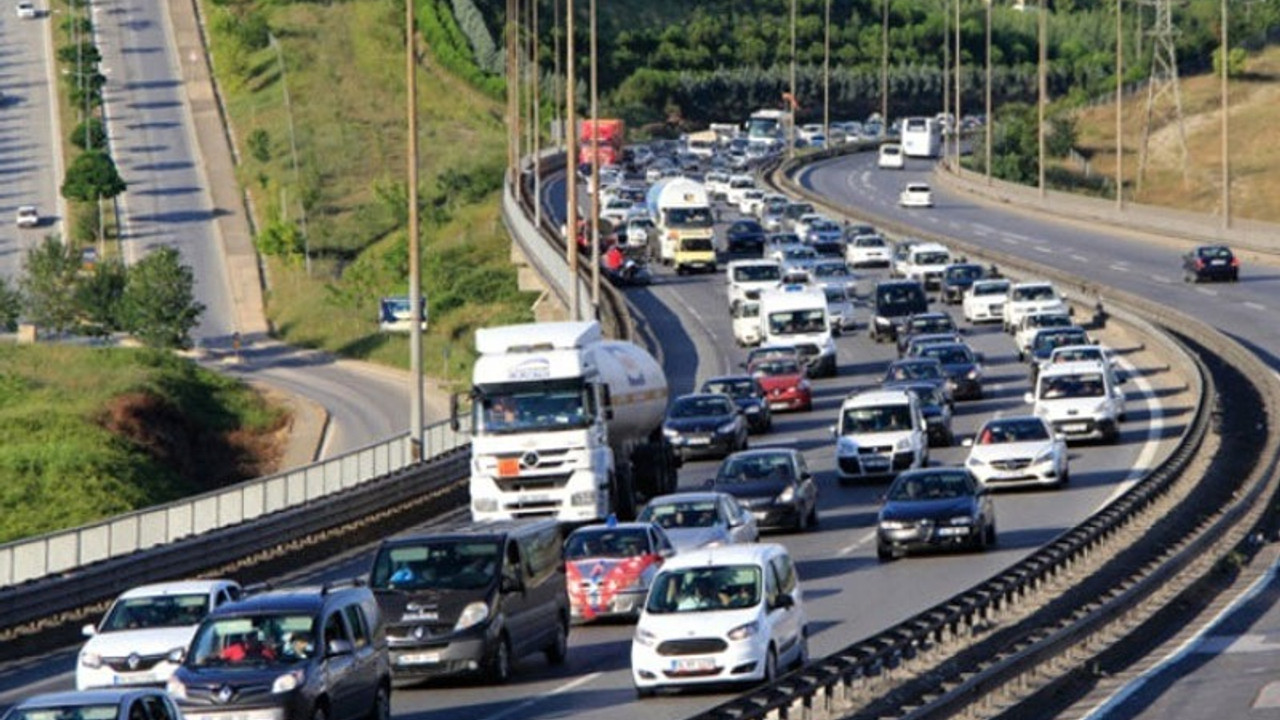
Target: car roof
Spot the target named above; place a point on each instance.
(929, 247)
(914, 361)
(763, 451)
(689, 496)
(179, 587)
(877, 397)
(603, 527)
(732, 554)
(1074, 368)
(1033, 283)
(1015, 418)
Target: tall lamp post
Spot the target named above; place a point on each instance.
(1225, 60)
(884, 63)
(826, 77)
(989, 120)
(571, 164)
(795, 105)
(956, 166)
(1043, 85)
(415, 254)
(595, 172)
(1119, 105)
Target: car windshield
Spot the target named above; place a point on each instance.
(437, 564)
(732, 388)
(681, 514)
(948, 355)
(70, 711)
(703, 406)
(1077, 354)
(898, 300)
(155, 612)
(253, 641)
(923, 326)
(913, 371)
(1012, 431)
(776, 367)
(755, 467)
(1078, 385)
(697, 245)
(883, 418)
(1046, 320)
(606, 543)
(964, 272)
(794, 322)
(702, 589)
(1035, 292)
(756, 273)
(932, 258)
(991, 289)
(930, 486)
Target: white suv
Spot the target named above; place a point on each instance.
(1080, 400)
(132, 644)
(1031, 297)
(726, 614)
(880, 433)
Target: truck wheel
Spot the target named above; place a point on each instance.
(624, 499)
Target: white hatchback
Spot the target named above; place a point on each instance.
(891, 157)
(916, 195)
(725, 614)
(27, 10)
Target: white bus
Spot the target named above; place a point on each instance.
(921, 137)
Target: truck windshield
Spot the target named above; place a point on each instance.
(693, 217)
(697, 245)
(519, 409)
(795, 322)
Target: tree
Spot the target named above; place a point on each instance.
(158, 305)
(92, 177)
(99, 297)
(10, 306)
(49, 284)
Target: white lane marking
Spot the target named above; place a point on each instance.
(1104, 708)
(1237, 644)
(1043, 248)
(1008, 241)
(1268, 697)
(770, 440)
(980, 231)
(1079, 258)
(1146, 458)
(866, 179)
(551, 693)
(1207, 291)
(1119, 267)
(1161, 279)
(860, 542)
(1016, 236)
(1255, 306)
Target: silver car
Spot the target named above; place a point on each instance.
(701, 519)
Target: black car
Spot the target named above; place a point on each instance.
(936, 411)
(895, 302)
(295, 653)
(747, 392)
(925, 323)
(958, 278)
(916, 369)
(961, 365)
(745, 235)
(774, 484)
(935, 508)
(1210, 262)
(705, 424)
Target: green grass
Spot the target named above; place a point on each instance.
(60, 464)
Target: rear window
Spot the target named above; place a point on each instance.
(1063, 387)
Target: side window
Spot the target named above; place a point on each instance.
(157, 708)
(770, 585)
(334, 629)
(786, 572)
(512, 567)
(542, 552)
(359, 628)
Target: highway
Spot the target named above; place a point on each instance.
(30, 166)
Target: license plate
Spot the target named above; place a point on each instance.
(876, 464)
(422, 658)
(246, 715)
(952, 531)
(699, 441)
(1218, 262)
(1075, 427)
(139, 679)
(693, 665)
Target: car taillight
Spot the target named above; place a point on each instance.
(1235, 262)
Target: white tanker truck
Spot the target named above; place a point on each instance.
(566, 424)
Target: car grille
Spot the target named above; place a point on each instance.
(140, 663)
(692, 646)
(413, 633)
(1011, 464)
(874, 449)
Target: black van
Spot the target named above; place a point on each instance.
(472, 598)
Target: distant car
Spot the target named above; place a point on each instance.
(1034, 323)
(1210, 262)
(785, 383)
(936, 410)
(133, 642)
(840, 309)
(869, 250)
(916, 369)
(935, 508)
(916, 195)
(774, 484)
(27, 10)
(833, 272)
(891, 157)
(745, 235)
(925, 323)
(1045, 341)
(609, 567)
(750, 396)
(107, 704)
(701, 519)
(705, 424)
(1018, 451)
(28, 216)
(984, 302)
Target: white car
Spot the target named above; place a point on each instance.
(1031, 297)
(616, 211)
(839, 309)
(916, 194)
(805, 223)
(891, 157)
(1080, 400)
(880, 433)
(27, 10)
(746, 279)
(738, 184)
(1034, 323)
(28, 216)
(984, 301)
(732, 614)
(701, 519)
(1078, 353)
(750, 201)
(133, 642)
(868, 251)
(1018, 451)
(746, 323)
(717, 183)
(925, 262)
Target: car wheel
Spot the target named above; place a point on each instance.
(381, 709)
(1064, 477)
(802, 657)
(813, 515)
(559, 647)
(948, 438)
(500, 662)
(883, 552)
(770, 666)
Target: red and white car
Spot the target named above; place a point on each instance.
(786, 386)
(609, 567)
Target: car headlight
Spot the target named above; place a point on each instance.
(846, 446)
(91, 660)
(974, 373)
(892, 525)
(727, 428)
(287, 682)
(176, 689)
(975, 462)
(645, 637)
(671, 433)
(903, 444)
(787, 495)
(742, 632)
(473, 614)
(961, 520)
(1043, 456)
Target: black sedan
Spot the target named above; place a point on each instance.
(745, 235)
(705, 424)
(961, 365)
(935, 508)
(927, 323)
(958, 278)
(1210, 262)
(936, 411)
(747, 392)
(775, 484)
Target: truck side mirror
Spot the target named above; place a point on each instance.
(454, 424)
(607, 399)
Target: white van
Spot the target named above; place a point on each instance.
(1080, 400)
(733, 613)
(746, 279)
(796, 315)
(879, 434)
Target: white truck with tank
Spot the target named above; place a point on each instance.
(565, 424)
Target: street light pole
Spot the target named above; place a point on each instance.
(595, 172)
(946, 83)
(795, 104)
(884, 64)
(1119, 106)
(1224, 56)
(989, 120)
(826, 78)
(415, 254)
(956, 166)
(571, 167)
(1043, 84)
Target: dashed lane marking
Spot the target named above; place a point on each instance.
(1207, 291)
(1255, 306)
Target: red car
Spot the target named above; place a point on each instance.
(609, 567)
(785, 384)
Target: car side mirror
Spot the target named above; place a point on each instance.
(783, 602)
(88, 631)
(834, 433)
(177, 655)
(1029, 398)
(339, 647)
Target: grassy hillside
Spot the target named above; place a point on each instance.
(88, 433)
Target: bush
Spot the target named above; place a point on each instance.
(259, 142)
(10, 306)
(85, 53)
(94, 130)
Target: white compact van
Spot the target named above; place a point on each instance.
(1080, 400)
(879, 434)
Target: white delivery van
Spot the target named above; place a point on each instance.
(796, 315)
(1080, 400)
(879, 434)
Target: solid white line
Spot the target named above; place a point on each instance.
(770, 440)
(1207, 291)
(1079, 258)
(1043, 248)
(1120, 267)
(860, 542)
(556, 691)
(1147, 456)
(1255, 306)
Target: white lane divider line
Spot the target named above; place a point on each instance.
(1146, 457)
(980, 231)
(1255, 306)
(543, 696)
(1016, 236)
(1207, 291)
(1120, 267)
(1161, 279)
(863, 541)
(1079, 258)
(1043, 248)
(1008, 240)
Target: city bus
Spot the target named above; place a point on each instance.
(921, 137)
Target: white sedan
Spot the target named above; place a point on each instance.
(28, 216)
(916, 195)
(1018, 451)
(27, 9)
(984, 302)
